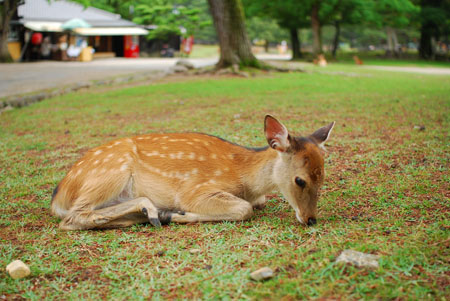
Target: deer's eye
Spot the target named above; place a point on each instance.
(300, 182)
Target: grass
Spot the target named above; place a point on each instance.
(386, 191)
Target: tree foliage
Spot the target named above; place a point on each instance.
(168, 18)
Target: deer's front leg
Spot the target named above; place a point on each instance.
(259, 203)
(213, 205)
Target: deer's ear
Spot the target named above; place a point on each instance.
(322, 134)
(276, 133)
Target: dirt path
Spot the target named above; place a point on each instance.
(421, 70)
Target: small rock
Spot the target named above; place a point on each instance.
(179, 68)
(419, 127)
(7, 108)
(262, 274)
(194, 251)
(17, 269)
(160, 253)
(185, 63)
(358, 259)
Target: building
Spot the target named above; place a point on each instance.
(68, 28)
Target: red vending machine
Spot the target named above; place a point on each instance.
(131, 46)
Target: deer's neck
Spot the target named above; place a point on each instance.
(258, 175)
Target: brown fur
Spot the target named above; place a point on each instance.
(208, 178)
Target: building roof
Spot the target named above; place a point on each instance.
(62, 11)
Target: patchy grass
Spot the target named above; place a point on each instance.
(386, 191)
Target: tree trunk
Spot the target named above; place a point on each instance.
(426, 45)
(392, 49)
(295, 41)
(337, 26)
(6, 12)
(316, 29)
(235, 48)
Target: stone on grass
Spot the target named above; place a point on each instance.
(179, 69)
(419, 127)
(185, 63)
(358, 259)
(17, 269)
(194, 251)
(262, 274)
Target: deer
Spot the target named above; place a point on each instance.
(160, 178)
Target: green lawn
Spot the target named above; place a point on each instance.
(386, 191)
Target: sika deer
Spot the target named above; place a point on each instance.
(190, 177)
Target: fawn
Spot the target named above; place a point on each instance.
(190, 177)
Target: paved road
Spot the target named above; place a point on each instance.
(28, 77)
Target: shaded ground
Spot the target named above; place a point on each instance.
(386, 191)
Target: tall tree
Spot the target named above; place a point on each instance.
(235, 47)
(393, 15)
(350, 12)
(434, 19)
(291, 15)
(7, 10)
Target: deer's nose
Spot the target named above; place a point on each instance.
(312, 221)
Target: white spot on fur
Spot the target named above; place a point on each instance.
(213, 156)
(164, 147)
(218, 173)
(98, 152)
(173, 140)
(109, 146)
(121, 160)
(79, 163)
(140, 138)
(162, 156)
(155, 138)
(96, 162)
(191, 156)
(124, 167)
(194, 171)
(205, 143)
(172, 156)
(117, 142)
(180, 155)
(165, 137)
(78, 172)
(226, 169)
(153, 153)
(190, 143)
(201, 158)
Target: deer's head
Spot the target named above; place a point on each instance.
(299, 169)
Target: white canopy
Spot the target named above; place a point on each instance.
(111, 31)
(44, 26)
